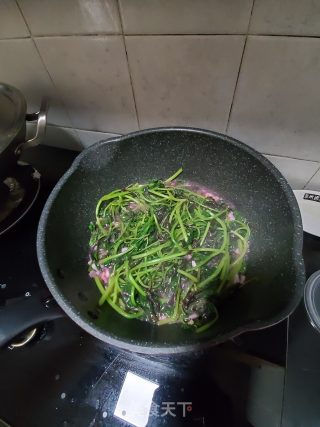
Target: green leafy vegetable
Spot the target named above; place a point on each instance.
(167, 252)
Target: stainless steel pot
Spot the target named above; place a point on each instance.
(13, 118)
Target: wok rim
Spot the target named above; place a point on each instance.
(162, 349)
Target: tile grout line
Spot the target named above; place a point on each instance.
(305, 186)
(239, 70)
(235, 86)
(128, 65)
(15, 38)
(48, 73)
(282, 156)
(250, 18)
(105, 34)
(85, 130)
(25, 21)
(283, 35)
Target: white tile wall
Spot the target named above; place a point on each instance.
(88, 137)
(297, 172)
(184, 80)
(91, 73)
(21, 66)
(299, 17)
(60, 17)
(276, 107)
(314, 183)
(113, 66)
(12, 24)
(185, 16)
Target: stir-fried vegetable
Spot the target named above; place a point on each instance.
(167, 252)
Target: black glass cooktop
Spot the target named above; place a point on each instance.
(64, 377)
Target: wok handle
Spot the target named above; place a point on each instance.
(20, 316)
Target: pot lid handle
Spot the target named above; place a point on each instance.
(41, 118)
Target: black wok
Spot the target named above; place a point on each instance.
(237, 172)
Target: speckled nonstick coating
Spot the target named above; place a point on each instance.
(237, 172)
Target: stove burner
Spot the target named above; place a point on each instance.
(17, 194)
(76, 377)
(14, 197)
(32, 336)
(23, 339)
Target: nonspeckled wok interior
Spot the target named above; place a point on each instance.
(239, 174)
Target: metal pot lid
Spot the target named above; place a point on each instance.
(13, 109)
